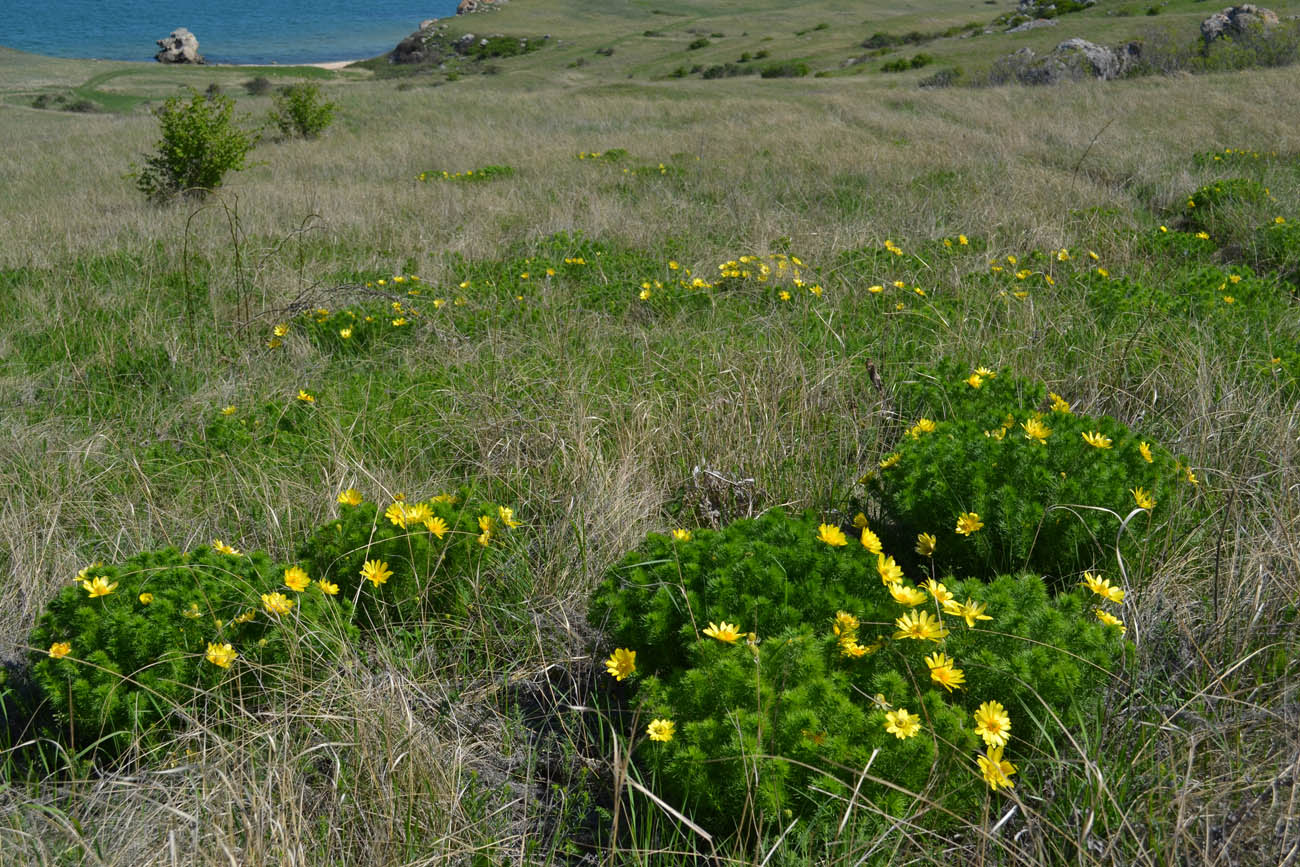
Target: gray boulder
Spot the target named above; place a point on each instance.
(1237, 21)
(1072, 60)
(180, 46)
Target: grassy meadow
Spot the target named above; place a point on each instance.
(559, 363)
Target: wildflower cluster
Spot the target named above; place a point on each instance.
(483, 173)
(359, 327)
(755, 647)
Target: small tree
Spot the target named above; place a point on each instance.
(200, 142)
(300, 111)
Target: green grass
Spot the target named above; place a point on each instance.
(600, 414)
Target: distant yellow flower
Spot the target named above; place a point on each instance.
(1228, 299)
(507, 516)
(904, 595)
(968, 522)
(919, 625)
(1011, 260)
(1103, 272)
(961, 239)
(925, 543)
(1146, 452)
(890, 460)
(783, 295)
(60, 649)
(98, 586)
(661, 730)
(1191, 476)
(974, 380)
(1059, 404)
(276, 603)
(644, 294)
(831, 535)
(1279, 220)
(222, 548)
(437, 526)
(985, 372)
(305, 397)
(902, 724)
(871, 541)
(860, 520)
(229, 410)
(1062, 255)
(924, 425)
(936, 589)
(850, 647)
(145, 598)
(350, 497)
(993, 724)
(1234, 279)
(1102, 587)
(345, 333)
(329, 588)
(890, 572)
(1093, 256)
(943, 671)
(1204, 236)
(295, 578)
(399, 321)
(396, 513)
(193, 612)
(1143, 499)
(1096, 439)
(1111, 620)
(875, 290)
(970, 611)
(281, 330)
(621, 663)
(724, 631)
(845, 624)
(682, 535)
(376, 572)
(997, 771)
(1035, 431)
(221, 655)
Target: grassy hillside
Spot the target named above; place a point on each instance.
(554, 358)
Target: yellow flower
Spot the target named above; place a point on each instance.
(783, 295)
(968, 522)
(193, 612)
(661, 730)
(396, 512)
(845, 624)
(682, 535)
(1146, 452)
(418, 514)
(350, 497)
(974, 380)
(1228, 299)
(507, 516)
(849, 647)
(993, 724)
(145, 598)
(1191, 476)
(1059, 404)
(229, 410)
(891, 460)
(399, 321)
(961, 239)
(345, 333)
(936, 589)
(276, 603)
(925, 543)
(437, 526)
(970, 611)
(1096, 439)
(60, 649)
(723, 631)
(281, 330)
(920, 626)
(1234, 279)
(902, 724)
(305, 397)
(1102, 587)
(1204, 236)
(985, 372)
(221, 655)
(1111, 620)
(831, 535)
(1011, 260)
(997, 771)
(246, 617)
(944, 672)
(871, 541)
(329, 588)
(295, 578)
(890, 572)
(875, 290)
(1062, 255)
(621, 663)
(1103, 272)
(1093, 256)
(860, 520)
(644, 294)
(905, 595)
(924, 425)
(1143, 499)
(222, 548)
(97, 586)
(376, 572)
(1035, 431)
(1279, 220)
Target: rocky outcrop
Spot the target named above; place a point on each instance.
(1072, 60)
(1033, 25)
(1237, 21)
(180, 46)
(467, 7)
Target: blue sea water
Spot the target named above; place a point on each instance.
(229, 31)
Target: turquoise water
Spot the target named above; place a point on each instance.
(229, 31)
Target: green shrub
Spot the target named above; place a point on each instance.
(1049, 500)
(259, 86)
(300, 111)
(138, 655)
(200, 142)
(763, 719)
(1220, 208)
(702, 42)
(484, 173)
(789, 69)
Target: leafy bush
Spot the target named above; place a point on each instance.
(300, 111)
(259, 86)
(760, 719)
(123, 652)
(727, 70)
(789, 69)
(200, 142)
(943, 78)
(1049, 486)
(903, 64)
(702, 42)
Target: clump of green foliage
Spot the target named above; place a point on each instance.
(788, 69)
(1051, 487)
(1221, 207)
(485, 173)
(121, 653)
(903, 64)
(774, 653)
(300, 110)
(200, 143)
